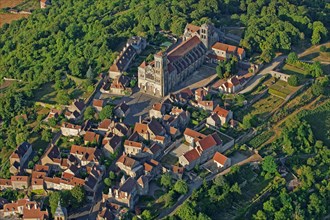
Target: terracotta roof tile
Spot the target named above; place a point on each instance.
(220, 158)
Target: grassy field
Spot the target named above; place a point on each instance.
(261, 108)
(313, 53)
(9, 3)
(18, 5)
(292, 70)
(282, 89)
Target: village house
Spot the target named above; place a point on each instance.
(122, 130)
(69, 129)
(98, 104)
(200, 94)
(129, 166)
(120, 85)
(192, 136)
(20, 182)
(219, 117)
(91, 137)
(128, 192)
(71, 115)
(190, 159)
(153, 152)
(105, 126)
(19, 157)
(152, 131)
(203, 151)
(77, 105)
(134, 46)
(5, 184)
(157, 110)
(133, 148)
(54, 113)
(221, 51)
(177, 172)
(221, 161)
(182, 97)
(15, 208)
(233, 84)
(86, 155)
(122, 110)
(111, 143)
(206, 105)
(52, 158)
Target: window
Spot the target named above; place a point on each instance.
(157, 64)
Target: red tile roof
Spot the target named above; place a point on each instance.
(184, 48)
(191, 155)
(192, 28)
(221, 111)
(220, 158)
(98, 103)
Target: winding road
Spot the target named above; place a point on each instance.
(256, 79)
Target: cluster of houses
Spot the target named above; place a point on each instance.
(80, 168)
(150, 138)
(118, 83)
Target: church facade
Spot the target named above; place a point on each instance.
(168, 69)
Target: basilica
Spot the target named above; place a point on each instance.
(170, 68)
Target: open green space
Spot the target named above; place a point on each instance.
(319, 119)
(281, 89)
(293, 70)
(261, 108)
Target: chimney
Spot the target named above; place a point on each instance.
(140, 119)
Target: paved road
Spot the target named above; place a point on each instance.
(254, 82)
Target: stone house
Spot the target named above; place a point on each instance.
(192, 136)
(69, 129)
(157, 110)
(219, 117)
(20, 182)
(111, 143)
(91, 137)
(77, 105)
(86, 155)
(122, 110)
(221, 51)
(129, 166)
(221, 160)
(98, 104)
(19, 157)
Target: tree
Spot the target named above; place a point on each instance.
(293, 80)
(107, 181)
(219, 72)
(323, 48)
(169, 198)
(53, 201)
(146, 214)
(89, 73)
(317, 89)
(106, 112)
(133, 83)
(235, 188)
(89, 113)
(269, 165)
(30, 165)
(316, 69)
(318, 29)
(292, 58)
(181, 187)
(62, 97)
(166, 180)
(316, 205)
(260, 216)
(112, 175)
(78, 194)
(46, 135)
(248, 121)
